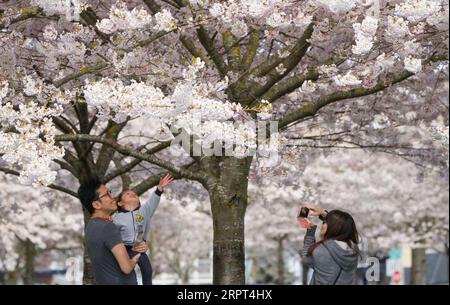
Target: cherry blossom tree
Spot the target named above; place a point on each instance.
(272, 233)
(76, 75)
(31, 224)
(181, 232)
(394, 203)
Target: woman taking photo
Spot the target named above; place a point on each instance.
(334, 259)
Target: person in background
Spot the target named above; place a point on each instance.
(334, 258)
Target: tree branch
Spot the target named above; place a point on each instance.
(153, 6)
(52, 186)
(90, 18)
(27, 13)
(126, 181)
(152, 181)
(106, 153)
(67, 167)
(233, 50)
(127, 167)
(247, 91)
(189, 45)
(289, 63)
(129, 151)
(250, 53)
(296, 50)
(290, 84)
(83, 71)
(208, 44)
(61, 125)
(311, 109)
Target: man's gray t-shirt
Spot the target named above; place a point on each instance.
(101, 236)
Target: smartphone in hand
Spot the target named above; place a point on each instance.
(302, 219)
(304, 211)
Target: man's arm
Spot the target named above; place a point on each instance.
(113, 242)
(126, 264)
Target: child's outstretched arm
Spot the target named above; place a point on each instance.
(153, 202)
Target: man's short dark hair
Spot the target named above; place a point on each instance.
(87, 192)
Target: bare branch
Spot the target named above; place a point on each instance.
(52, 186)
(67, 167)
(248, 91)
(154, 180)
(83, 71)
(289, 85)
(129, 151)
(127, 167)
(311, 109)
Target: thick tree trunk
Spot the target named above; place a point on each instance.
(419, 267)
(88, 275)
(228, 195)
(30, 254)
(228, 243)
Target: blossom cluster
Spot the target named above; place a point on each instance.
(71, 9)
(122, 19)
(32, 145)
(365, 33)
(54, 225)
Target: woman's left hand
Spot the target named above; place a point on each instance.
(305, 223)
(141, 247)
(315, 210)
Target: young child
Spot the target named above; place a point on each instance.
(133, 221)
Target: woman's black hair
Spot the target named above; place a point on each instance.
(341, 227)
(87, 193)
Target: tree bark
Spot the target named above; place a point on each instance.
(30, 253)
(186, 277)
(228, 196)
(419, 267)
(280, 261)
(88, 275)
